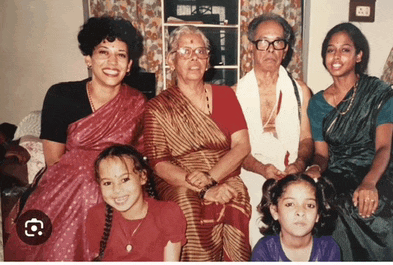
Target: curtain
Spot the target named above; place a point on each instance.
(291, 10)
(146, 17)
(387, 73)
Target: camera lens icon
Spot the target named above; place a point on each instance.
(34, 227)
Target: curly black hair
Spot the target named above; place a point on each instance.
(324, 192)
(97, 29)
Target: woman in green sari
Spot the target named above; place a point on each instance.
(352, 125)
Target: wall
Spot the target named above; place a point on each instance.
(38, 48)
(324, 14)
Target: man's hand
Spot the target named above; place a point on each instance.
(271, 172)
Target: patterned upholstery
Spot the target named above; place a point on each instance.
(28, 132)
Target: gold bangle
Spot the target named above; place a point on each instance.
(205, 189)
(212, 184)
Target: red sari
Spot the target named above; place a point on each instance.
(68, 189)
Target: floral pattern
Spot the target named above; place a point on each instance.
(387, 73)
(146, 17)
(291, 10)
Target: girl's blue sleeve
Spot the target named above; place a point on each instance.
(317, 110)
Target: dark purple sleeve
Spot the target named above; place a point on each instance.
(334, 253)
(326, 249)
(265, 250)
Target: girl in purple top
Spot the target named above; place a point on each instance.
(297, 213)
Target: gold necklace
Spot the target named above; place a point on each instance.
(350, 100)
(129, 247)
(207, 101)
(89, 96)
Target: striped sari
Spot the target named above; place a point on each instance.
(177, 132)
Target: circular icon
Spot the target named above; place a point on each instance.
(34, 227)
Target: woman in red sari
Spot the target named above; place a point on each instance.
(80, 119)
(196, 139)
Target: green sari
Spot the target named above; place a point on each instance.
(351, 140)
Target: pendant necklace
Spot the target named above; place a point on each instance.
(89, 96)
(129, 246)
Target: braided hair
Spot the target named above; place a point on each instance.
(324, 193)
(140, 164)
(107, 231)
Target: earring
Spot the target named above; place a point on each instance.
(89, 67)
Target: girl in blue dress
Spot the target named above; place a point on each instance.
(296, 211)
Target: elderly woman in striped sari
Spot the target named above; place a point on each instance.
(196, 139)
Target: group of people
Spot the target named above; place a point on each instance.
(161, 180)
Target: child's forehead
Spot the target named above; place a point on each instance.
(299, 188)
(125, 162)
(120, 159)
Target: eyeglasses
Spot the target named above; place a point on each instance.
(186, 52)
(263, 45)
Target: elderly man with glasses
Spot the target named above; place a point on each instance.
(275, 108)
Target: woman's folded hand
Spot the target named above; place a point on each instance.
(222, 193)
(198, 179)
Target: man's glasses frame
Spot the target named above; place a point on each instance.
(264, 45)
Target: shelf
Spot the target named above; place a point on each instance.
(224, 38)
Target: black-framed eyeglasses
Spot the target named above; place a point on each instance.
(201, 52)
(263, 45)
